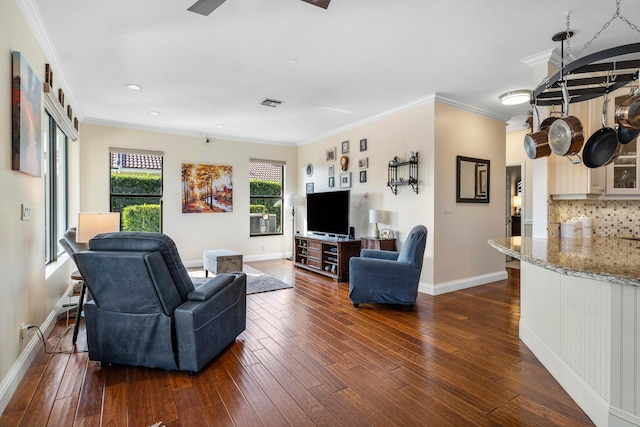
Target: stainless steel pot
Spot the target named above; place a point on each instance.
(566, 135)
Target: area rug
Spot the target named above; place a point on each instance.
(257, 281)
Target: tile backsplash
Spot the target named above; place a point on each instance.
(620, 218)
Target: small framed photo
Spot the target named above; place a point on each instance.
(363, 163)
(332, 170)
(363, 144)
(332, 181)
(345, 147)
(363, 176)
(309, 187)
(331, 154)
(345, 180)
(385, 233)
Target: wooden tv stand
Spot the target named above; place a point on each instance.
(325, 255)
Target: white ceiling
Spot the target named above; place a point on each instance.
(332, 68)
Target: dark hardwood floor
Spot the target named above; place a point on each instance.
(308, 357)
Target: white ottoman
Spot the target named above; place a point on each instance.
(220, 261)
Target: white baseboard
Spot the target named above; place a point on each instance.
(456, 285)
(594, 405)
(21, 365)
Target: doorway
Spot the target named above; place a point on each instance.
(514, 192)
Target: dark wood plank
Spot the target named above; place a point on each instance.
(308, 357)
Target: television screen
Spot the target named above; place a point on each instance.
(328, 213)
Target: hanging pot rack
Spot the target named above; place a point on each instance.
(591, 76)
(594, 75)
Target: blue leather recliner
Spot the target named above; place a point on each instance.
(389, 277)
(147, 310)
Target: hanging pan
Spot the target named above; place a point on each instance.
(628, 117)
(536, 144)
(603, 146)
(566, 134)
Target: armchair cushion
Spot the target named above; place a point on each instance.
(206, 290)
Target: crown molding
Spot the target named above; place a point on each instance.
(471, 108)
(38, 28)
(547, 57)
(370, 119)
(182, 132)
(428, 99)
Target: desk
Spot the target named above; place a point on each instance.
(379, 244)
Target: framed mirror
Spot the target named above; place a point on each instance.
(472, 180)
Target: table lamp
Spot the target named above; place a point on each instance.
(376, 216)
(517, 202)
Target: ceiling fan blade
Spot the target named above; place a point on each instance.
(320, 3)
(205, 7)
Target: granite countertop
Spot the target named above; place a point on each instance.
(609, 259)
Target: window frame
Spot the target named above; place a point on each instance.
(56, 174)
(280, 197)
(160, 196)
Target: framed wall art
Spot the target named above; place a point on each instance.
(345, 180)
(332, 170)
(206, 188)
(363, 144)
(363, 163)
(345, 147)
(309, 187)
(331, 154)
(26, 105)
(363, 176)
(332, 181)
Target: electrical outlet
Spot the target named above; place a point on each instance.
(24, 331)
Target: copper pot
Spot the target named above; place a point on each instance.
(628, 112)
(536, 145)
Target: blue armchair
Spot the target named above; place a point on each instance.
(147, 311)
(388, 277)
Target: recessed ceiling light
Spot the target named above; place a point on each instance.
(219, 125)
(515, 97)
(154, 113)
(293, 61)
(134, 86)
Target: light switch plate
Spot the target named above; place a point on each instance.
(446, 208)
(25, 212)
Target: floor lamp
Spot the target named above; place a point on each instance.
(294, 200)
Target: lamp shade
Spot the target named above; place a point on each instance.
(517, 201)
(92, 223)
(377, 216)
(294, 200)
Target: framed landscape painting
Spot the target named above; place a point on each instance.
(206, 188)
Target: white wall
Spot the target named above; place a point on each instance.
(28, 291)
(457, 254)
(462, 255)
(192, 232)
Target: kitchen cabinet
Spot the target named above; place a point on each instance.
(576, 181)
(623, 173)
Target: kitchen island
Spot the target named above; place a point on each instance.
(580, 316)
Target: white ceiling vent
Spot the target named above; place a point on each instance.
(271, 102)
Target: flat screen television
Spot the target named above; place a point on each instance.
(328, 213)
